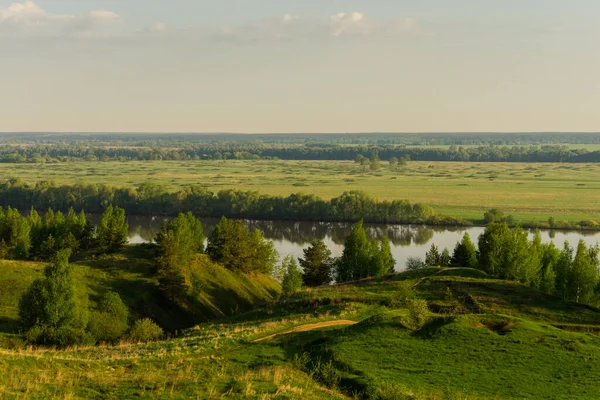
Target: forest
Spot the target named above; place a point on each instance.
(63, 153)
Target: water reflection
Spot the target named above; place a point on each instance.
(290, 238)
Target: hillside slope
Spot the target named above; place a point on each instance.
(484, 339)
(218, 292)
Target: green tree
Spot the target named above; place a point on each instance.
(233, 245)
(584, 273)
(374, 162)
(549, 261)
(354, 262)
(433, 256)
(316, 264)
(113, 229)
(381, 260)
(445, 258)
(562, 271)
(494, 216)
(292, 280)
(15, 231)
(465, 253)
(51, 302)
(493, 246)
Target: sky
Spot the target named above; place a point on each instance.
(287, 66)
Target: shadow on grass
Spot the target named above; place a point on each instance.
(8, 325)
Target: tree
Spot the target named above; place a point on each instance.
(292, 280)
(493, 246)
(381, 261)
(354, 263)
(359, 159)
(170, 267)
(317, 264)
(465, 253)
(51, 302)
(112, 230)
(15, 232)
(179, 240)
(415, 263)
(374, 162)
(433, 257)
(584, 273)
(494, 216)
(445, 258)
(233, 245)
(562, 271)
(394, 163)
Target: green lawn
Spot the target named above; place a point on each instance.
(531, 192)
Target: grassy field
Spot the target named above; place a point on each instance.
(531, 192)
(484, 339)
(131, 273)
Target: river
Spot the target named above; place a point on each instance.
(290, 238)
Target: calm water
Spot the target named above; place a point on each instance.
(290, 238)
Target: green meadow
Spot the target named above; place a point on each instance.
(531, 192)
(483, 338)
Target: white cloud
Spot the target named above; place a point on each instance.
(28, 18)
(354, 23)
(343, 24)
(159, 27)
(28, 14)
(287, 18)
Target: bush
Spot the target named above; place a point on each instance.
(326, 374)
(112, 304)
(493, 215)
(106, 328)
(145, 330)
(109, 323)
(415, 263)
(404, 293)
(418, 312)
(61, 337)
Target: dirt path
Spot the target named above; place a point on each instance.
(308, 327)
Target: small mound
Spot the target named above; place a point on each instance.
(465, 273)
(500, 325)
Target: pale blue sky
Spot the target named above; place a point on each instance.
(300, 66)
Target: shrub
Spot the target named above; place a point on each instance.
(107, 328)
(493, 215)
(418, 312)
(404, 293)
(145, 330)
(415, 263)
(326, 374)
(112, 304)
(109, 323)
(61, 337)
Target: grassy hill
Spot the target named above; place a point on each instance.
(218, 292)
(484, 339)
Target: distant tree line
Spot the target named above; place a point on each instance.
(152, 199)
(57, 153)
(378, 138)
